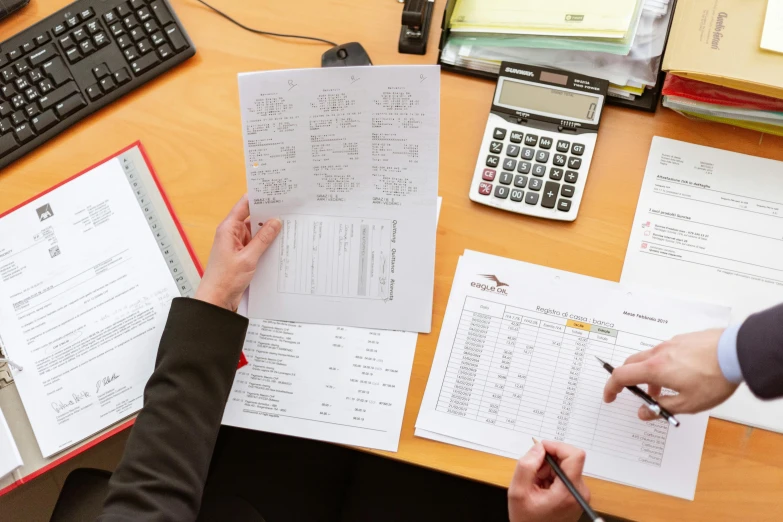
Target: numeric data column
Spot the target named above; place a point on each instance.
(471, 358)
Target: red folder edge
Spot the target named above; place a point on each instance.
(129, 423)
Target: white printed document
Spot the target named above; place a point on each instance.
(516, 359)
(9, 453)
(332, 383)
(709, 226)
(84, 296)
(347, 158)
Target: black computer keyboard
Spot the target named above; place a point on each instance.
(78, 60)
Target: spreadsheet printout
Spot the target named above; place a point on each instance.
(515, 359)
(701, 234)
(347, 158)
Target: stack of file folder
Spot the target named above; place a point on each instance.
(718, 69)
(621, 41)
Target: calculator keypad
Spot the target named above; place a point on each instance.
(524, 161)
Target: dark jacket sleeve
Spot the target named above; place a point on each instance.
(166, 460)
(760, 352)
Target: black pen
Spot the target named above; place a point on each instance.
(568, 484)
(651, 403)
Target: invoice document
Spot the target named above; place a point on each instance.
(9, 453)
(332, 383)
(709, 226)
(84, 296)
(347, 158)
(516, 359)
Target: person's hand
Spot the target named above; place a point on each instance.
(235, 254)
(536, 494)
(688, 365)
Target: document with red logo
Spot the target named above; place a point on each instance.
(516, 359)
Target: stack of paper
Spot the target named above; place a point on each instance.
(9, 453)
(620, 41)
(719, 72)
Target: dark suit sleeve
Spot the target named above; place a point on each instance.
(166, 460)
(760, 352)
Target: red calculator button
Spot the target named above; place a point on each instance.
(489, 175)
(485, 189)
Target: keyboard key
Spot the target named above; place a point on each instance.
(535, 184)
(14, 54)
(28, 47)
(523, 167)
(165, 52)
(72, 22)
(137, 4)
(531, 140)
(69, 106)
(130, 22)
(59, 29)
(7, 91)
(8, 74)
(512, 150)
(143, 14)
(563, 146)
(549, 197)
(122, 10)
(567, 191)
(58, 95)
(86, 14)
(5, 109)
(45, 86)
(24, 133)
(7, 144)
(87, 47)
(499, 133)
(542, 156)
(67, 42)
(21, 68)
(564, 205)
(571, 176)
(501, 192)
(31, 94)
(520, 181)
(488, 175)
(492, 161)
(150, 26)
(101, 40)
(516, 137)
(6, 125)
(178, 42)
(559, 160)
(485, 189)
(161, 13)
(116, 29)
(107, 84)
(56, 70)
(137, 34)
(556, 174)
(93, 27)
(35, 76)
(577, 149)
(18, 118)
(496, 147)
(539, 170)
(531, 198)
(101, 70)
(110, 18)
(509, 164)
(18, 101)
(122, 76)
(527, 154)
(44, 121)
(42, 39)
(124, 41)
(73, 55)
(545, 143)
(79, 35)
(131, 53)
(506, 178)
(517, 195)
(31, 110)
(21, 84)
(574, 163)
(93, 92)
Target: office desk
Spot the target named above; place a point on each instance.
(189, 122)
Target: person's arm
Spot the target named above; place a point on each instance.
(760, 352)
(166, 460)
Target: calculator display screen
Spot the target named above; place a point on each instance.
(549, 101)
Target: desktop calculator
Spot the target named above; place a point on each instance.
(539, 141)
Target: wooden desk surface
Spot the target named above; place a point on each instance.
(189, 122)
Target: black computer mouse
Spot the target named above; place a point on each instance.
(349, 54)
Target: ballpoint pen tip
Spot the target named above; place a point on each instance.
(599, 359)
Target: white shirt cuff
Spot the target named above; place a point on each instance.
(728, 359)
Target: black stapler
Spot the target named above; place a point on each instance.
(416, 20)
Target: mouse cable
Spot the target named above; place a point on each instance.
(266, 33)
